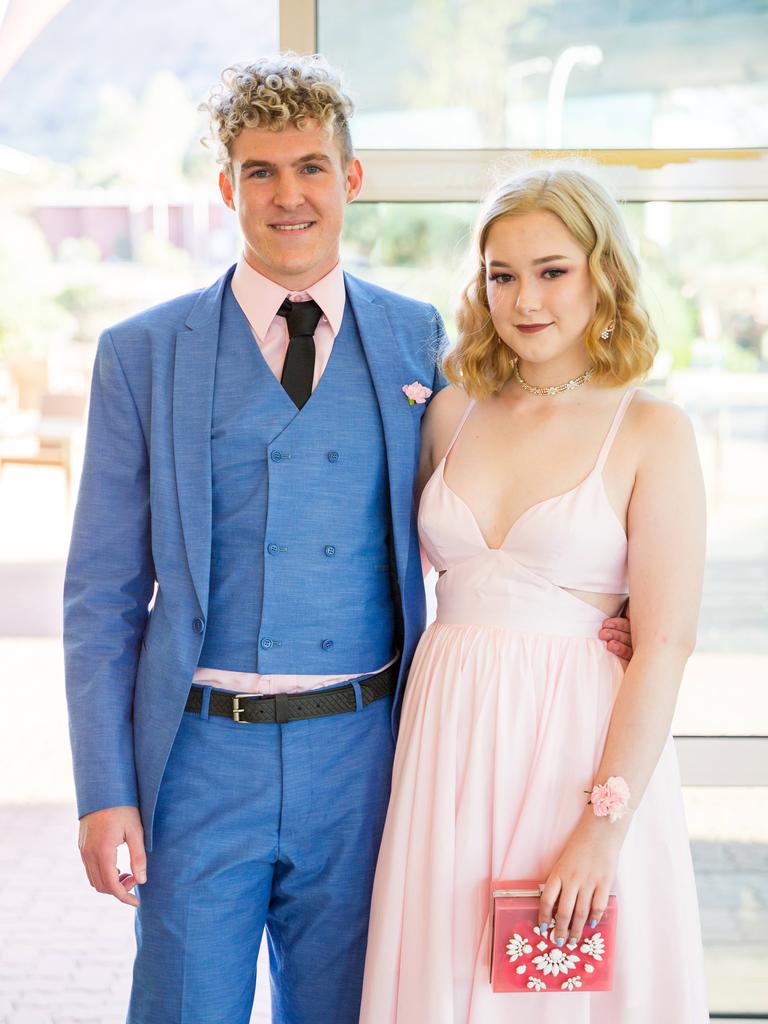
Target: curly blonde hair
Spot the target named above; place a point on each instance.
(274, 92)
(480, 362)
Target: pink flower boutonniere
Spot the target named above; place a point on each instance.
(416, 393)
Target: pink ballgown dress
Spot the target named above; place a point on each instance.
(503, 726)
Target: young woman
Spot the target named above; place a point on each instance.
(552, 487)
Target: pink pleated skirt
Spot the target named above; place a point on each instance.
(501, 734)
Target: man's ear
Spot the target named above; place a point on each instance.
(225, 187)
(354, 179)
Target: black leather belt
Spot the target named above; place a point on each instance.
(254, 708)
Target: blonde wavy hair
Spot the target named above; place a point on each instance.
(480, 362)
(274, 92)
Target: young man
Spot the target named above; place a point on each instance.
(251, 458)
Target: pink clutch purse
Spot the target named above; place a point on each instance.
(523, 960)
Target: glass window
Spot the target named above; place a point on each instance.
(704, 266)
(729, 843)
(535, 74)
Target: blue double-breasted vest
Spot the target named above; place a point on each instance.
(300, 567)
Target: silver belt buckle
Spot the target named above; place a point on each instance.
(237, 710)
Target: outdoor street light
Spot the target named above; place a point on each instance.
(565, 63)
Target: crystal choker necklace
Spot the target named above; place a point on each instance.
(556, 389)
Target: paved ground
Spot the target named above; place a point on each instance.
(66, 953)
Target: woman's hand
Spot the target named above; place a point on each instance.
(580, 881)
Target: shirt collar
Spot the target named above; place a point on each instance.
(260, 298)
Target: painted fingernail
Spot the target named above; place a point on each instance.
(593, 923)
(543, 928)
(560, 942)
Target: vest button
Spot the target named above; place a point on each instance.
(333, 456)
(272, 549)
(330, 550)
(266, 643)
(275, 456)
(327, 645)
(198, 625)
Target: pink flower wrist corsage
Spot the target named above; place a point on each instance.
(611, 799)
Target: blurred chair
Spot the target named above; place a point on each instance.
(51, 444)
(30, 378)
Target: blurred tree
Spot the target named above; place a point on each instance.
(158, 254)
(465, 52)
(673, 315)
(141, 142)
(409, 234)
(30, 318)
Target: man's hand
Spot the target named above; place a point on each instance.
(616, 633)
(101, 832)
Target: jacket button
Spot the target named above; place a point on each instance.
(266, 643)
(327, 645)
(333, 456)
(275, 456)
(330, 550)
(272, 549)
(198, 625)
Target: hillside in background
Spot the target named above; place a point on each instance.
(51, 97)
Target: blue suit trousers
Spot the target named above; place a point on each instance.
(262, 825)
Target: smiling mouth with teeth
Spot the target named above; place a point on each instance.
(292, 227)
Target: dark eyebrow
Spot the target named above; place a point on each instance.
(542, 259)
(310, 158)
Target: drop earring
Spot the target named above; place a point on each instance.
(606, 334)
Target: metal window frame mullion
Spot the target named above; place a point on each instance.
(638, 175)
(723, 760)
(298, 25)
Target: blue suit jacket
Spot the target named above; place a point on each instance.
(143, 526)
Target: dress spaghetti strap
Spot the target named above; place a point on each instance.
(457, 431)
(614, 429)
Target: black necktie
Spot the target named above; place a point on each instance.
(299, 367)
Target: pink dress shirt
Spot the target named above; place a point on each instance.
(259, 298)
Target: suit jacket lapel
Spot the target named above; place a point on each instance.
(193, 380)
(384, 360)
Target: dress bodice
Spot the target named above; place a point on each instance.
(570, 541)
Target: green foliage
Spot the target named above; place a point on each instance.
(141, 142)
(465, 56)
(673, 316)
(408, 234)
(739, 360)
(161, 255)
(30, 318)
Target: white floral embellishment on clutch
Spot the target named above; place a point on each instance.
(556, 962)
(516, 947)
(594, 946)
